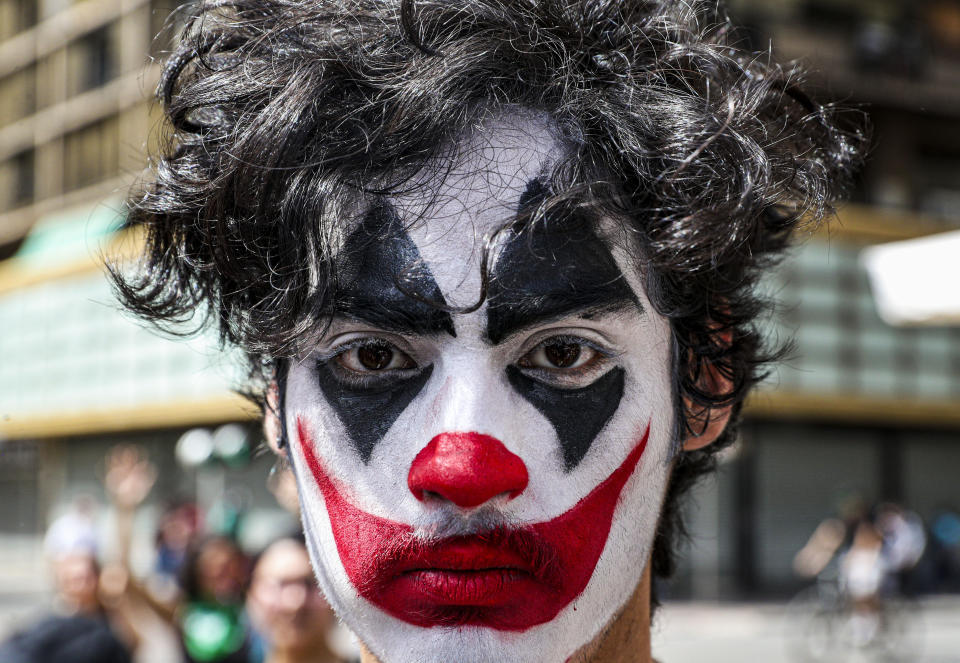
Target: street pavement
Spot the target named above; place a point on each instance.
(694, 632)
(690, 632)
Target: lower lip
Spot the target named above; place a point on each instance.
(486, 588)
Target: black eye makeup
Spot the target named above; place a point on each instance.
(574, 382)
(369, 380)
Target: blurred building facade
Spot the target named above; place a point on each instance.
(76, 375)
(860, 406)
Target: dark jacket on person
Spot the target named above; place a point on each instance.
(65, 639)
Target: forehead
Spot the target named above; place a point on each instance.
(283, 560)
(459, 199)
(465, 203)
(484, 174)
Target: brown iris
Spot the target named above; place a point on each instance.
(374, 357)
(562, 355)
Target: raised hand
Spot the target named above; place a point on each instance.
(129, 476)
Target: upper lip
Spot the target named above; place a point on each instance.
(469, 553)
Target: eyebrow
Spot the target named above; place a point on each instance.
(506, 320)
(551, 269)
(378, 256)
(394, 316)
(510, 323)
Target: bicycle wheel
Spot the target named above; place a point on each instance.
(815, 622)
(900, 636)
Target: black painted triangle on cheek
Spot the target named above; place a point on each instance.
(368, 414)
(577, 415)
(380, 266)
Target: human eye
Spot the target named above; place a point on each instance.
(566, 361)
(369, 362)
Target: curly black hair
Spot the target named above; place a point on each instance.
(281, 114)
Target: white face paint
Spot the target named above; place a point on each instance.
(545, 417)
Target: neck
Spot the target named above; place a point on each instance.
(625, 640)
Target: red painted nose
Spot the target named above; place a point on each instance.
(467, 469)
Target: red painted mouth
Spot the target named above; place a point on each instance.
(508, 579)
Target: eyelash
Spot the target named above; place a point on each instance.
(362, 379)
(561, 377)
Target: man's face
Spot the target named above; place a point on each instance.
(77, 579)
(483, 486)
(284, 602)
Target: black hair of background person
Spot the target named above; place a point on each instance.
(189, 579)
(706, 154)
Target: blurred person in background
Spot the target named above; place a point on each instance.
(292, 620)
(874, 549)
(853, 543)
(206, 610)
(179, 526)
(210, 613)
(89, 623)
(904, 542)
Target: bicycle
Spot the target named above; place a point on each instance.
(825, 625)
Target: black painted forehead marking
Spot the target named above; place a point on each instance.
(381, 265)
(551, 268)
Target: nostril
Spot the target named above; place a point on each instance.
(468, 469)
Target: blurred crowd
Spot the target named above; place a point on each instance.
(884, 548)
(204, 599)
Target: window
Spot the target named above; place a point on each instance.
(16, 16)
(16, 181)
(17, 96)
(23, 178)
(92, 60)
(90, 154)
(19, 467)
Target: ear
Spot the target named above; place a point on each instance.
(708, 423)
(272, 425)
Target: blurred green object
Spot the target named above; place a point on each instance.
(211, 631)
